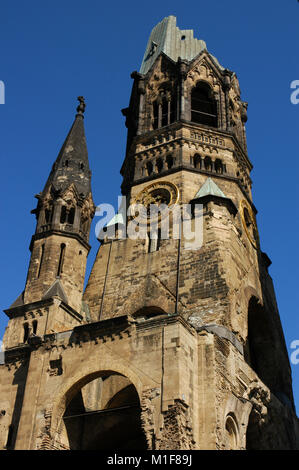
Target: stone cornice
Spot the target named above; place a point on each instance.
(183, 139)
(22, 309)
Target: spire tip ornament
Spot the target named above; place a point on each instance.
(81, 107)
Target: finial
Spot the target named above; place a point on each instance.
(82, 105)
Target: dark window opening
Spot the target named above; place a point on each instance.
(156, 115)
(71, 216)
(165, 112)
(208, 163)
(219, 166)
(26, 332)
(203, 105)
(197, 161)
(63, 215)
(34, 327)
(169, 161)
(81, 166)
(159, 165)
(48, 215)
(66, 163)
(61, 259)
(41, 259)
(149, 167)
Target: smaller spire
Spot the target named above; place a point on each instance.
(71, 165)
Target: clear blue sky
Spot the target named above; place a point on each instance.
(53, 51)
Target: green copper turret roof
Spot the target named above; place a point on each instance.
(209, 188)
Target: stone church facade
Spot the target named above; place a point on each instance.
(168, 347)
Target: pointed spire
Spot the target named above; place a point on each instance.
(71, 165)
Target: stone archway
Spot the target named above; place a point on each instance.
(102, 412)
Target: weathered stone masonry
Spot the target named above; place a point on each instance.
(168, 347)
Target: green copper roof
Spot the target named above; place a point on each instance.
(117, 219)
(209, 188)
(168, 38)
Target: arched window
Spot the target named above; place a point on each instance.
(203, 105)
(156, 115)
(26, 332)
(48, 215)
(149, 168)
(219, 166)
(61, 259)
(63, 215)
(164, 108)
(71, 216)
(169, 161)
(231, 433)
(165, 112)
(208, 163)
(159, 165)
(197, 161)
(34, 327)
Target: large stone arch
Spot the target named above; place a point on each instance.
(87, 373)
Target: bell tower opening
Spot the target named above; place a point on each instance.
(203, 105)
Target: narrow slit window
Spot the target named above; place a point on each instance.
(26, 332)
(61, 259)
(41, 259)
(34, 327)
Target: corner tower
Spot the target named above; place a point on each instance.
(52, 298)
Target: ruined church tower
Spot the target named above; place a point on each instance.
(171, 345)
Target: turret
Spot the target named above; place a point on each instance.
(59, 247)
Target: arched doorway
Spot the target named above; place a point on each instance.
(104, 414)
